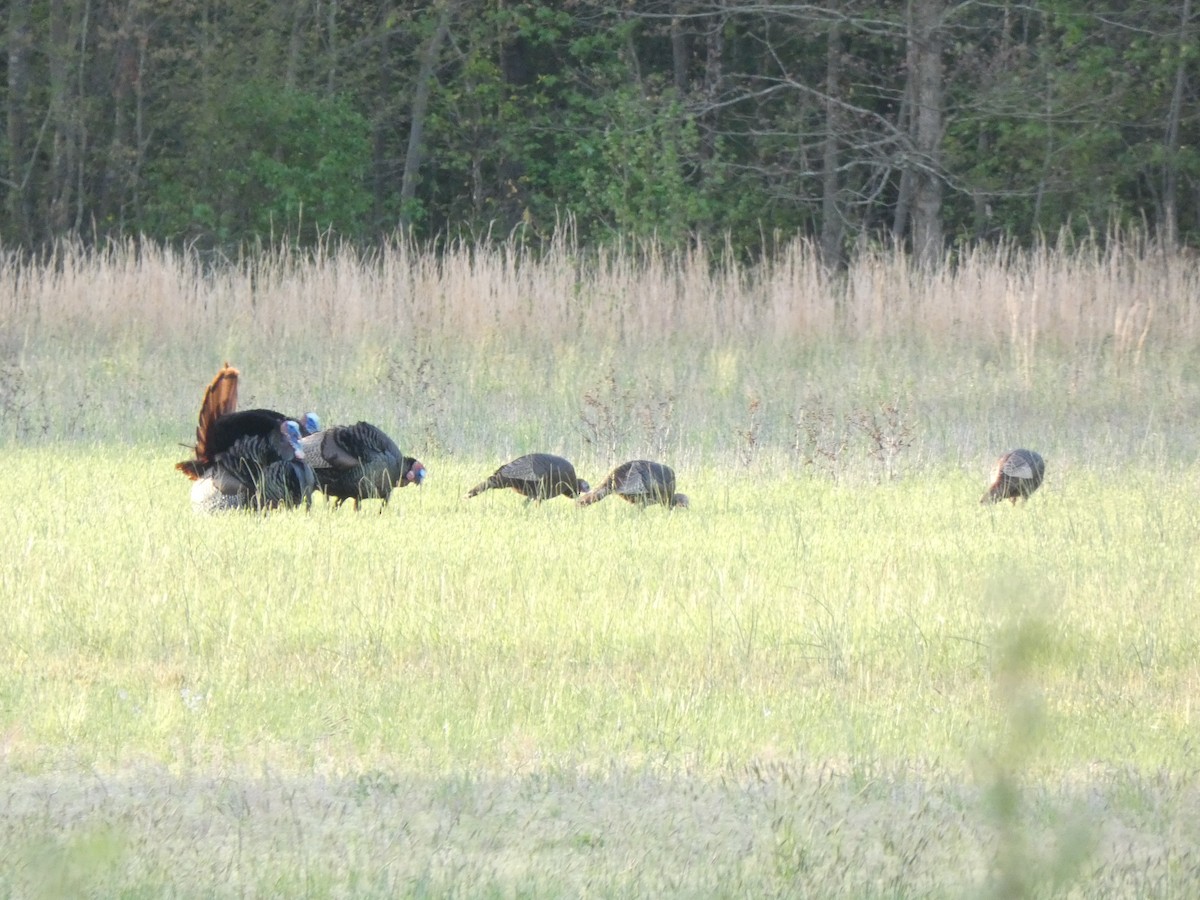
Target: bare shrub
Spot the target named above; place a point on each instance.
(749, 437)
(818, 437)
(826, 440)
(619, 413)
(888, 433)
(14, 397)
(417, 382)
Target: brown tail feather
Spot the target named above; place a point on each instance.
(192, 468)
(220, 398)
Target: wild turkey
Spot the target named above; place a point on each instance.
(226, 429)
(1018, 474)
(221, 424)
(537, 476)
(639, 481)
(257, 472)
(357, 462)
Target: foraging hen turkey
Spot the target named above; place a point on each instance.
(357, 462)
(221, 424)
(1018, 474)
(257, 472)
(537, 476)
(639, 481)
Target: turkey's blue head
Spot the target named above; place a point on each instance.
(414, 472)
(311, 424)
(291, 432)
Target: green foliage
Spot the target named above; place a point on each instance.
(226, 123)
(280, 163)
(580, 140)
(1072, 136)
(627, 172)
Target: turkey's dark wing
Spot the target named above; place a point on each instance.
(537, 476)
(1017, 475)
(224, 431)
(256, 471)
(357, 462)
(643, 481)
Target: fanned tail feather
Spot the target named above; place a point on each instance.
(220, 398)
(192, 468)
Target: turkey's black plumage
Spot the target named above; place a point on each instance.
(221, 424)
(537, 476)
(227, 429)
(357, 462)
(1018, 474)
(257, 472)
(639, 481)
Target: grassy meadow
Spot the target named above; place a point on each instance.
(836, 675)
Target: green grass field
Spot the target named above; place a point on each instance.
(837, 675)
(579, 685)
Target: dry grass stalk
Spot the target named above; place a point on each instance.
(1118, 299)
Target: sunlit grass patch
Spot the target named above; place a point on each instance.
(839, 634)
(777, 617)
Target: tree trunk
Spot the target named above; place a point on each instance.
(139, 127)
(332, 40)
(1170, 224)
(296, 15)
(113, 190)
(381, 127)
(412, 159)
(979, 203)
(904, 192)
(925, 57)
(714, 79)
(18, 203)
(831, 212)
(62, 122)
(680, 54)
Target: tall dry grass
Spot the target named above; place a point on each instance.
(627, 350)
(1122, 297)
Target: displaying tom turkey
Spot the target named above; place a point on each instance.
(639, 481)
(1018, 474)
(536, 476)
(359, 462)
(257, 472)
(221, 424)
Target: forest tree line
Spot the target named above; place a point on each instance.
(931, 123)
